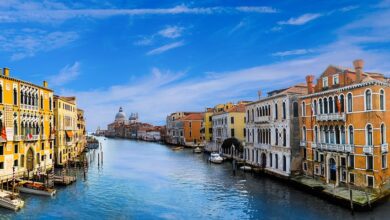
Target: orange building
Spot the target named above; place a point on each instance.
(343, 122)
(192, 125)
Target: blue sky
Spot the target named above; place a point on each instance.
(155, 59)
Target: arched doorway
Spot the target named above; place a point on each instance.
(227, 146)
(30, 160)
(263, 160)
(332, 169)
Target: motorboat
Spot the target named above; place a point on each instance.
(10, 200)
(246, 168)
(215, 158)
(197, 150)
(177, 148)
(35, 188)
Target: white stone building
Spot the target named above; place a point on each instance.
(272, 140)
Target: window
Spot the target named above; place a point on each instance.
(315, 134)
(316, 156)
(270, 159)
(244, 132)
(1, 165)
(315, 107)
(276, 137)
(369, 162)
(16, 163)
(41, 101)
(304, 153)
(368, 98)
(325, 82)
(284, 137)
(351, 161)
(352, 178)
(284, 110)
(342, 108)
(16, 149)
(382, 99)
(1, 150)
(15, 128)
(42, 157)
(349, 102)
(51, 156)
(210, 130)
(232, 132)
(336, 79)
(303, 109)
(38, 158)
(276, 110)
(210, 118)
(284, 164)
(370, 181)
(232, 120)
(369, 135)
(50, 104)
(43, 146)
(383, 134)
(295, 109)
(320, 104)
(384, 161)
(343, 162)
(330, 105)
(276, 161)
(325, 106)
(350, 134)
(15, 97)
(304, 133)
(1, 94)
(305, 166)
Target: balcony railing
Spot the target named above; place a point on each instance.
(68, 128)
(302, 144)
(385, 148)
(345, 148)
(263, 119)
(31, 138)
(43, 137)
(264, 146)
(368, 149)
(17, 137)
(30, 107)
(331, 117)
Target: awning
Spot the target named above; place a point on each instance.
(69, 134)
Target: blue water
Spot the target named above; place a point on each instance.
(140, 180)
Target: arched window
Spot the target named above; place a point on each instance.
(42, 104)
(349, 101)
(320, 105)
(15, 97)
(284, 110)
(22, 97)
(253, 115)
(382, 99)
(342, 103)
(276, 110)
(350, 135)
(270, 159)
(51, 104)
(276, 161)
(284, 163)
(284, 137)
(325, 106)
(368, 98)
(342, 134)
(315, 107)
(326, 134)
(295, 109)
(276, 137)
(303, 109)
(383, 134)
(337, 134)
(336, 105)
(15, 128)
(369, 140)
(315, 134)
(304, 133)
(330, 105)
(332, 137)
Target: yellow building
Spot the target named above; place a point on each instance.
(81, 131)
(26, 117)
(65, 113)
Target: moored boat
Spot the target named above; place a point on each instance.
(10, 200)
(197, 150)
(177, 148)
(215, 158)
(246, 168)
(35, 188)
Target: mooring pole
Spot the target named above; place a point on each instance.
(234, 167)
(351, 200)
(98, 159)
(102, 158)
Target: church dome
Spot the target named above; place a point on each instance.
(120, 116)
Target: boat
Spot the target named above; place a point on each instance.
(10, 200)
(246, 168)
(177, 148)
(197, 150)
(35, 188)
(215, 158)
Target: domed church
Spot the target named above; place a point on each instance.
(120, 116)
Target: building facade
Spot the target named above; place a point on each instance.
(343, 121)
(192, 125)
(26, 119)
(81, 131)
(66, 118)
(272, 140)
(175, 128)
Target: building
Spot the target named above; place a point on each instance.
(229, 128)
(26, 119)
(192, 125)
(175, 128)
(343, 120)
(81, 131)
(272, 140)
(66, 118)
(117, 128)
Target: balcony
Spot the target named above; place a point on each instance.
(368, 149)
(331, 117)
(385, 148)
(17, 137)
(43, 137)
(31, 138)
(302, 144)
(68, 128)
(263, 119)
(343, 148)
(263, 146)
(69, 143)
(313, 145)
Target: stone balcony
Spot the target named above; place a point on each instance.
(30, 138)
(262, 146)
(263, 119)
(385, 148)
(344, 148)
(368, 149)
(331, 117)
(29, 107)
(17, 137)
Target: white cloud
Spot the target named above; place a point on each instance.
(301, 20)
(171, 32)
(292, 52)
(27, 42)
(66, 75)
(257, 9)
(165, 48)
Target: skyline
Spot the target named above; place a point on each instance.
(156, 60)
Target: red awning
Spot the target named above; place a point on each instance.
(69, 134)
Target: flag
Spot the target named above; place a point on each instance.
(3, 134)
(30, 136)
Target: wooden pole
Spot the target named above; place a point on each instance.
(351, 200)
(98, 159)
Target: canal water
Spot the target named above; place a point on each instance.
(141, 180)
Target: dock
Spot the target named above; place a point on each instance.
(64, 180)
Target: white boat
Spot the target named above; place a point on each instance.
(197, 150)
(215, 158)
(10, 200)
(35, 188)
(246, 168)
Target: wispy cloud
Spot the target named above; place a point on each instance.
(66, 75)
(165, 48)
(171, 32)
(27, 42)
(292, 52)
(301, 20)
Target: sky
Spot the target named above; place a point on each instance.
(158, 57)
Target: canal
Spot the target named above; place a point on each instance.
(141, 180)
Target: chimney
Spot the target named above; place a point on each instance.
(45, 84)
(6, 71)
(309, 81)
(358, 64)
